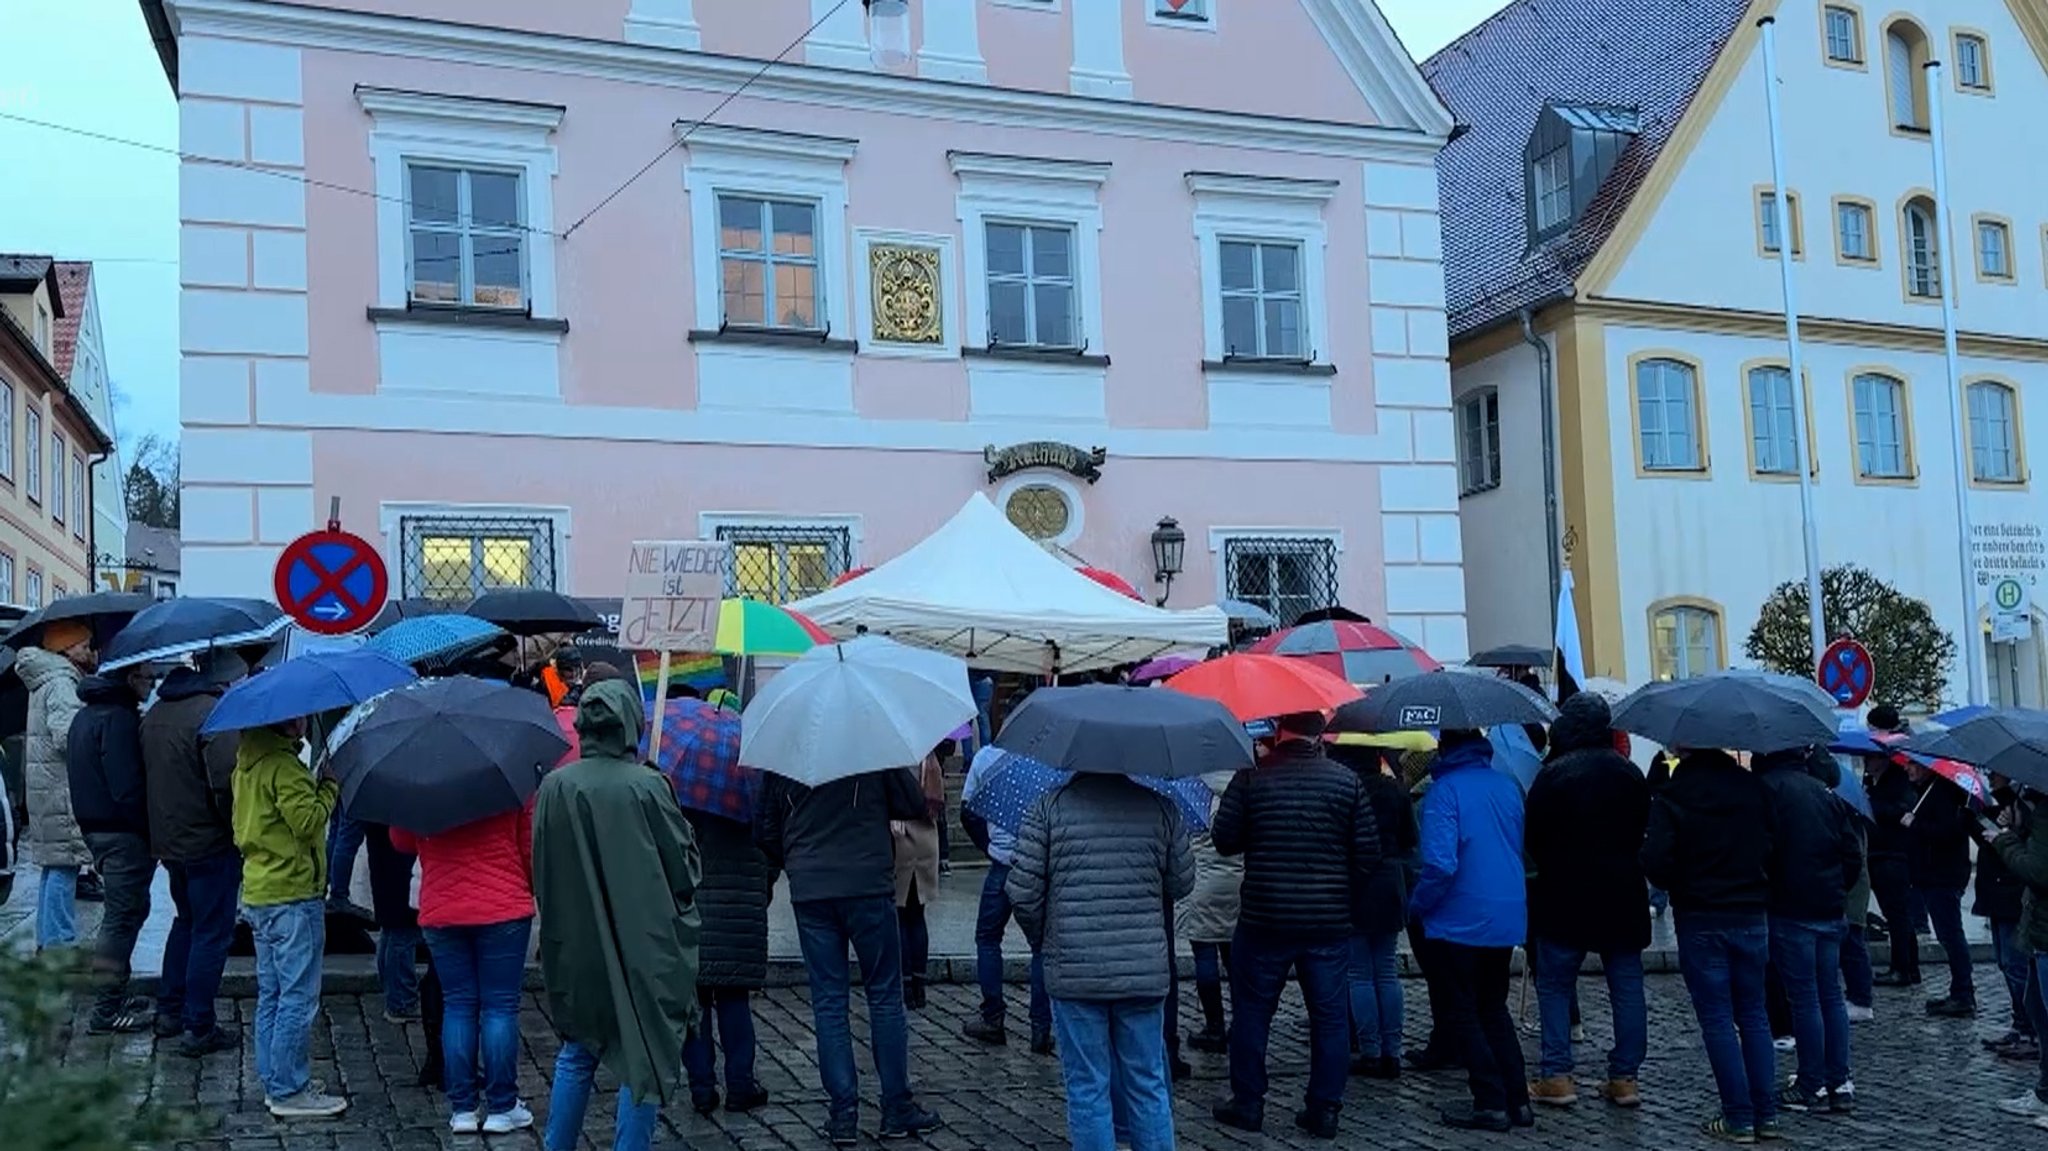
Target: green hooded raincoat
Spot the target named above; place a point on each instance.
(615, 871)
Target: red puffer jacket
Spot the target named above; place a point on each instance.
(477, 874)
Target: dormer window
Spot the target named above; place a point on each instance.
(1570, 152)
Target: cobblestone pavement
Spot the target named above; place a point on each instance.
(1923, 1083)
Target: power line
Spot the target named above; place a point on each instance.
(684, 137)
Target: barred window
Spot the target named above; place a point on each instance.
(784, 563)
(460, 557)
(1286, 576)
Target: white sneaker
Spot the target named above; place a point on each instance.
(506, 1122)
(1861, 1014)
(315, 1104)
(465, 1123)
(2025, 1106)
(1785, 1044)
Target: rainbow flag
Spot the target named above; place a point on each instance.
(703, 672)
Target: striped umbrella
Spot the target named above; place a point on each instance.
(1361, 653)
(751, 627)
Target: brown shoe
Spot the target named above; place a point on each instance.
(1622, 1093)
(1556, 1091)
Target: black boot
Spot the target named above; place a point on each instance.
(1212, 1038)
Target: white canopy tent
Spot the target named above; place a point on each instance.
(980, 589)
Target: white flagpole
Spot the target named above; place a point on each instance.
(1781, 210)
(1973, 635)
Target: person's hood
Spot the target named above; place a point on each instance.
(1584, 723)
(1811, 761)
(1700, 777)
(39, 668)
(185, 683)
(608, 721)
(1477, 753)
(260, 743)
(107, 691)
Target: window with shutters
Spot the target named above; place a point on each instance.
(1973, 63)
(1906, 56)
(1767, 223)
(1842, 34)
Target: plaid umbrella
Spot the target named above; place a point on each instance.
(1361, 653)
(1013, 783)
(700, 754)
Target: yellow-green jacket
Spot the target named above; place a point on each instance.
(281, 814)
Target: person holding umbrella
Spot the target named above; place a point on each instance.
(1892, 796)
(2000, 896)
(1938, 863)
(52, 671)
(992, 920)
(107, 799)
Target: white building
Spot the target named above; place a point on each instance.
(1621, 209)
(79, 353)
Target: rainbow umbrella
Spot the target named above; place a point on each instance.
(752, 627)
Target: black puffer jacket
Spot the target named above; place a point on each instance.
(1892, 795)
(834, 839)
(733, 898)
(2001, 895)
(1382, 904)
(1098, 862)
(1710, 838)
(104, 759)
(1587, 813)
(1938, 842)
(1816, 857)
(1309, 840)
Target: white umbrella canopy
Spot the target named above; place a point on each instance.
(847, 709)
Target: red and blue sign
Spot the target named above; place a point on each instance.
(331, 582)
(1847, 672)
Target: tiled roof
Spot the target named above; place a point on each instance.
(23, 273)
(74, 277)
(1646, 55)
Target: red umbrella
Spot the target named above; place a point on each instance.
(1264, 686)
(851, 575)
(1359, 652)
(1112, 581)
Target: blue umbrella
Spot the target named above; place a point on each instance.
(436, 640)
(308, 685)
(1514, 753)
(1850, 788)
(179, 627)
(1013, 782)
(1955, 717)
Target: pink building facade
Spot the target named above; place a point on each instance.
(1201, 236)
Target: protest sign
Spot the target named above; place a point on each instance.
(673, 588)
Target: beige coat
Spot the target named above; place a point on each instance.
(917, 841)
(53, 836)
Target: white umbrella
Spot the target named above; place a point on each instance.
(847, 709)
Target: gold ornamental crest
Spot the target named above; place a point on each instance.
(906, 294)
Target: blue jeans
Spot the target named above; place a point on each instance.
(344, 839)
(398, 968)
(1113, 1059)
(1258, 971)
(57, 908)
(2013, 964)
(1858, 978)
(1723, 959)
(1376, 1009)
(1808, 958)
(990, 923)
(1557, 977)
(205, 893)
(482, 970)
(728, 1008)
(575, 1067)
(1945, 911)
(289, 939)
(825, 929)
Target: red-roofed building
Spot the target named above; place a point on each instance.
(78, 351)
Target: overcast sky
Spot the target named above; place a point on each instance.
(89, 65)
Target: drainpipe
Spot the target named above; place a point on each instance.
(1546, 388)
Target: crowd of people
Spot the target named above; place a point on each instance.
(652, 919)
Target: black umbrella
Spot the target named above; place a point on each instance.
(1336, 612)
(1513, 655)
(1733, 710)
(104, 609)
(1434, 700)
(444, 752)
(177, 627)
(536, 611)
(1117, 730)
(2011, 741)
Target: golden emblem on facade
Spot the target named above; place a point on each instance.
(906, 294)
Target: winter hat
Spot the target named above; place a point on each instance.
(60, 636)
(1884, 717)
(1584, 721)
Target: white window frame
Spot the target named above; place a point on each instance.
(1194, 15)
(1693, 403)
(6, 578)
(1901, 426)
(79, 510)
(60, 453)
(33, 597)
(1981, 83)
(760, 164)
(461, 132)
(764, 209)
(1555, 191)
(1219, 537)
(32, 453)
(1855, 34)
(1028, 189)
(1681, 613)
(853, 524)
(166, 589)
(1031, 280)
(6, 434)
(391, 517)
(1843, 210)
(43, 328)
(1485, 402)
(1980, 424)
(1764, 423)
(1985, 228)
(1923, 251)
(1263, 209)
(468, 234)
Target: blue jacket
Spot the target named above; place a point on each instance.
(1474, 887)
